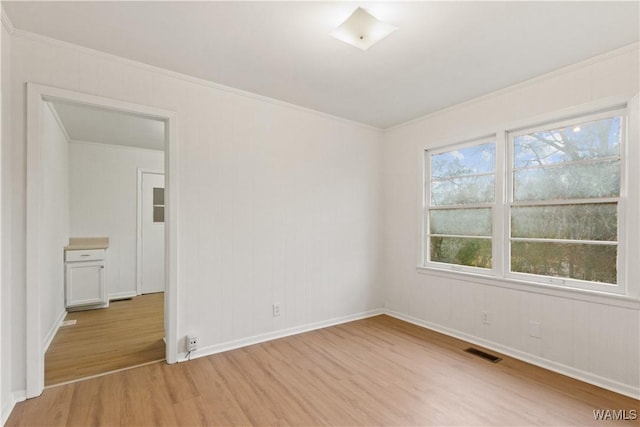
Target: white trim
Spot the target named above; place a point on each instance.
(631, 199)
(54, 329)
(4, 404)
(550, 365)
(633, 47)
(185, 77)
(102, 374)
(121, 295)
(6, 22)
(14, 398)
(34, 352)
(7, 408)
(257, 339)
(614, 300)
(114, 146)
(141, 172)
(53, 110)
(36, 95)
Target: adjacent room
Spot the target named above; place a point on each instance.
(106, 187)
(320, 213)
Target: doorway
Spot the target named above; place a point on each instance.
(37, 96)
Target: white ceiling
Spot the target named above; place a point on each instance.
(443, 52)
(84, 123)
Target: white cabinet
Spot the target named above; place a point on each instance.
(85, 279)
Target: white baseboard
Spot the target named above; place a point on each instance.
(122, 295)
(560, 368)
(257, 339)
(54, 330)
(7, 407)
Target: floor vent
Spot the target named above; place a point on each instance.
(480, 353)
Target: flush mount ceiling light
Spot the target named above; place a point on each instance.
(362, 30)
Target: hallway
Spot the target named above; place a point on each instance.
(128, 333)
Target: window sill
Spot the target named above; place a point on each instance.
(622, 301)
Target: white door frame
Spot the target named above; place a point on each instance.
(36, 96)
(141, 171)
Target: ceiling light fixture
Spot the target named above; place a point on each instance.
(362, 30)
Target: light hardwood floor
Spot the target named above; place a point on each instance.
(376, 371)
(128, 333)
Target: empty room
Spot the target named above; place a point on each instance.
(320, 213)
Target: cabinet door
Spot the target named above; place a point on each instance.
(85, 283)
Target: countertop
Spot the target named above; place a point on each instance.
(85, 243)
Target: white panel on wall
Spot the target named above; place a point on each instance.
(87, 73)
(110, 78)
(65, 70)
(138, 85)
(103, 203)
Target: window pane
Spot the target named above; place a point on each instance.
(158, 196)
(474, 160)
(601, 179)
(596, 263)
(158, 214)
(460, 191)
(461, 250)
(573, 222)
(597, 139)
(468, 222)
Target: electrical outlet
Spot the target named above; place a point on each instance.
(534, 329)
(192, 342)
(276, 309)
(485, 318)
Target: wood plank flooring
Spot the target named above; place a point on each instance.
(377, 371)
(128, 333)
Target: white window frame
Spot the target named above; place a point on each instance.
(566, 282)
(426, 194)
(500, 274)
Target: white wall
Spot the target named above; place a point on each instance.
(276, 203)
(597, 340)
(55, 223)
(6, 398)
(103, 202)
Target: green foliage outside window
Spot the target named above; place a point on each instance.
(562, 210)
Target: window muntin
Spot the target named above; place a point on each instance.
(458, 221)
(564, 201)
(549, 212)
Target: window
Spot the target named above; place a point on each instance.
(564, 199)
(540, 204)
(461, 197)
(158, 204)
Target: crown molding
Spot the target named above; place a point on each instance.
(17, 32)
(634, 47)
(6, 22)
